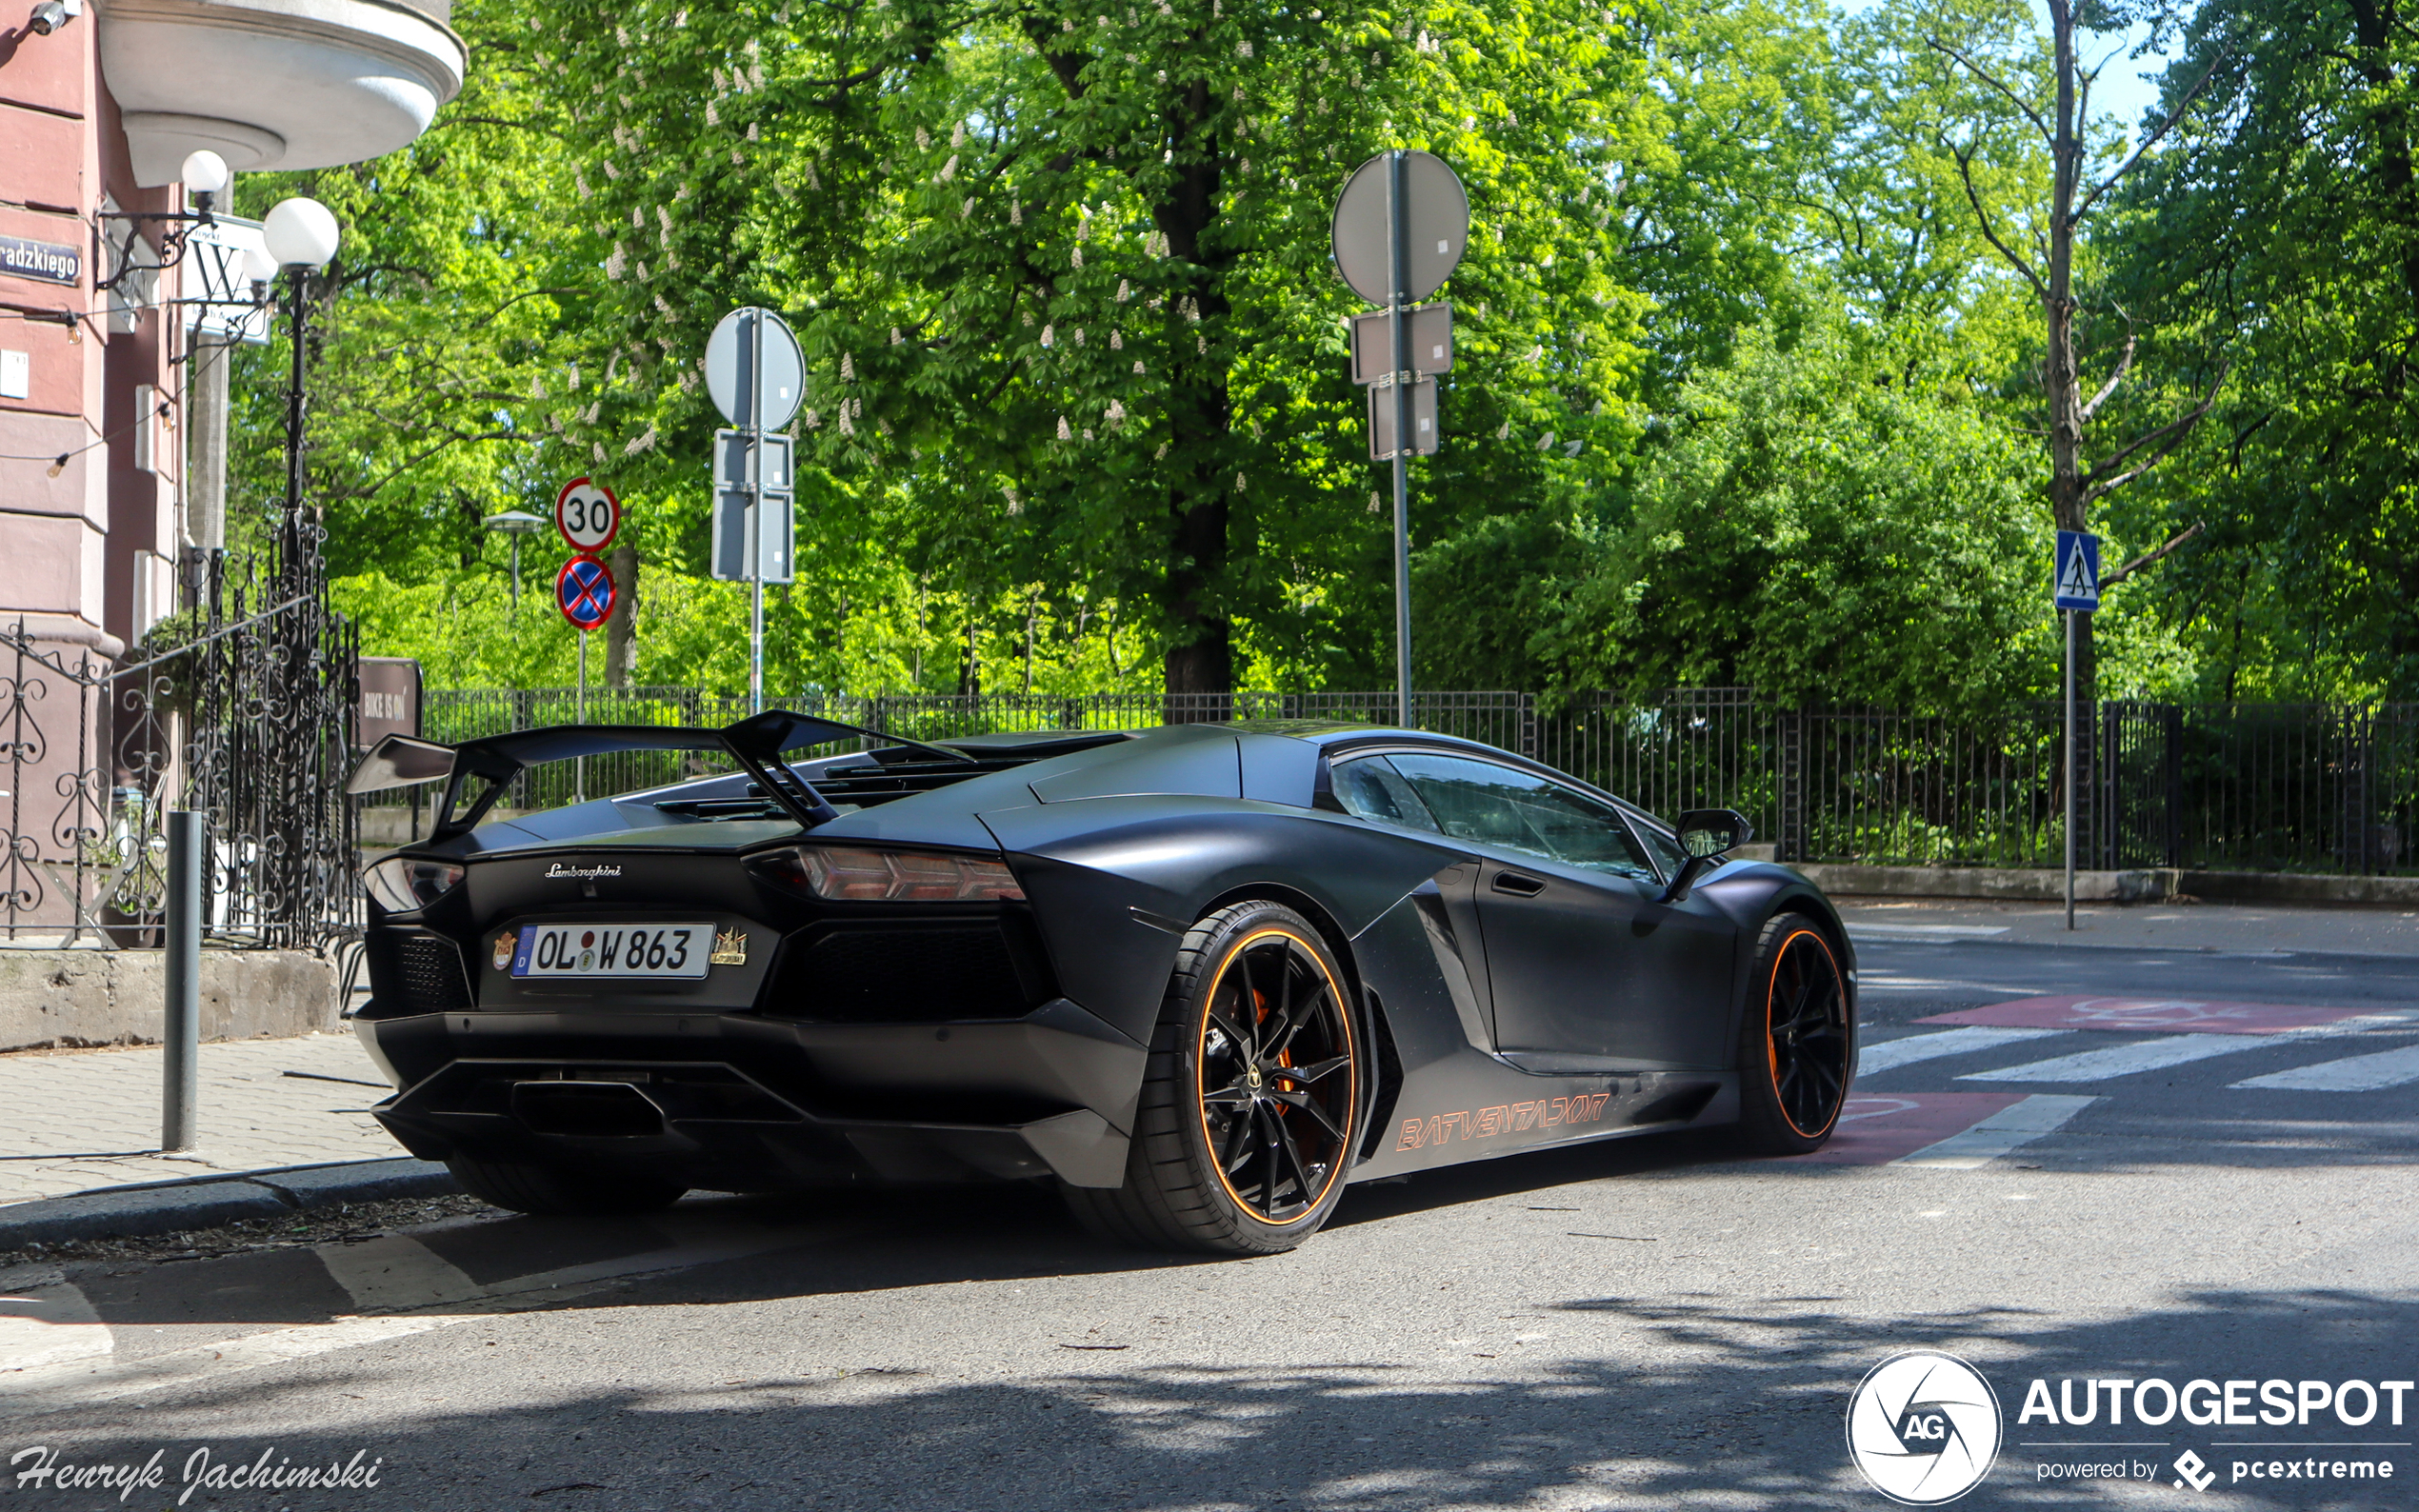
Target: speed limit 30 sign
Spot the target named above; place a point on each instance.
(588, 515)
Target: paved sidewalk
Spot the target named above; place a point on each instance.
(80, 1120)
(2266, 927)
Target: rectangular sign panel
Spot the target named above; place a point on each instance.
(731, 461)
(1431, 333)
(1382, 442)
(390, 698)
(218, 298)
(731, 537)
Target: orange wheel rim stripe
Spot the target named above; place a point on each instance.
(1771, 1057)
(1352, 1094)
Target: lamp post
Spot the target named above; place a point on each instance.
(515, 523)
(302, 236)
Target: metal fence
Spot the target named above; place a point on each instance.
(2250, 786)
(241, 708)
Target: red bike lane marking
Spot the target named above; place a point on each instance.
(1878, 1128)
(2151, 1016)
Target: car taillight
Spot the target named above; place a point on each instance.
(401, 885)
(865, 875)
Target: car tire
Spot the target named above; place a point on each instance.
(1231, 1155)
(1796, 1042)
(526, 1187)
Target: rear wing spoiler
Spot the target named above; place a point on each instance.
(757, 743)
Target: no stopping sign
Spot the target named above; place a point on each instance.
(584, 591)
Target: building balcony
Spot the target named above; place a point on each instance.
(276, 84)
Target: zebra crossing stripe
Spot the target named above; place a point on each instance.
(49, 1325)
(394, 1273)
(2127, 1060)
(2358, 1073)
(1891, 1054)
(2009, 1129)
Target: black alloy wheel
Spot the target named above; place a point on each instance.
(1275, 1071)
(1795, 1039)
(1251, 1097)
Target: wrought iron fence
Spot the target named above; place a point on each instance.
(2299, 787)
(240, 706)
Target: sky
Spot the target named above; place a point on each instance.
(2127, 87)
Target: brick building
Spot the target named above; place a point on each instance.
(101, 101)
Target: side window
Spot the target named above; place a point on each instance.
(1501, 805)
(1371, 789)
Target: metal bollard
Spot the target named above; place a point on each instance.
(182, 1036)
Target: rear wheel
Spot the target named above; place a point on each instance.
(1251, 1097)
(527, 1187)
(1793, 1040)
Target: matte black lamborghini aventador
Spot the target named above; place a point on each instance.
(1200, 977)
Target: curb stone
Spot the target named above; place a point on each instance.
(166, 1207)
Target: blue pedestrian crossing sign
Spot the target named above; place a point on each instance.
(2078, 582)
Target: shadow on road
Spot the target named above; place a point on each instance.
(1712, 1402)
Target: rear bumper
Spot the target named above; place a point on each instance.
(741, 1102)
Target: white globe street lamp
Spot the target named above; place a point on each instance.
(302, 236)
(203, 175)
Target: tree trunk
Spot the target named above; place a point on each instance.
(621, 627)
(1200, 657)
(2061, 377)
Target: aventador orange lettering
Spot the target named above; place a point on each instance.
(1502, 1119)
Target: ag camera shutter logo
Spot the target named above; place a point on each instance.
(1922, 1427)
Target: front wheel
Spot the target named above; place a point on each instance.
(1251, 1097)
(1794, 1040)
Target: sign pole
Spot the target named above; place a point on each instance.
(1399, 351)
(756, 517)
(2070, 782)
(579, 768)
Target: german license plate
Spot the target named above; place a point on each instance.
(569, 951)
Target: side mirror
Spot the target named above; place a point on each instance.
(1706, 835)
(400, 760)
(1711, 832)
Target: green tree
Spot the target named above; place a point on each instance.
(1791, 537)
(2282, 225)
(452, 296)
(1062, 276)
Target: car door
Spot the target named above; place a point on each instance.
(1582, 960)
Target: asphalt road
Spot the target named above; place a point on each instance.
(1654, 1323)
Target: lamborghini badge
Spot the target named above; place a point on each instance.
(731, 949)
